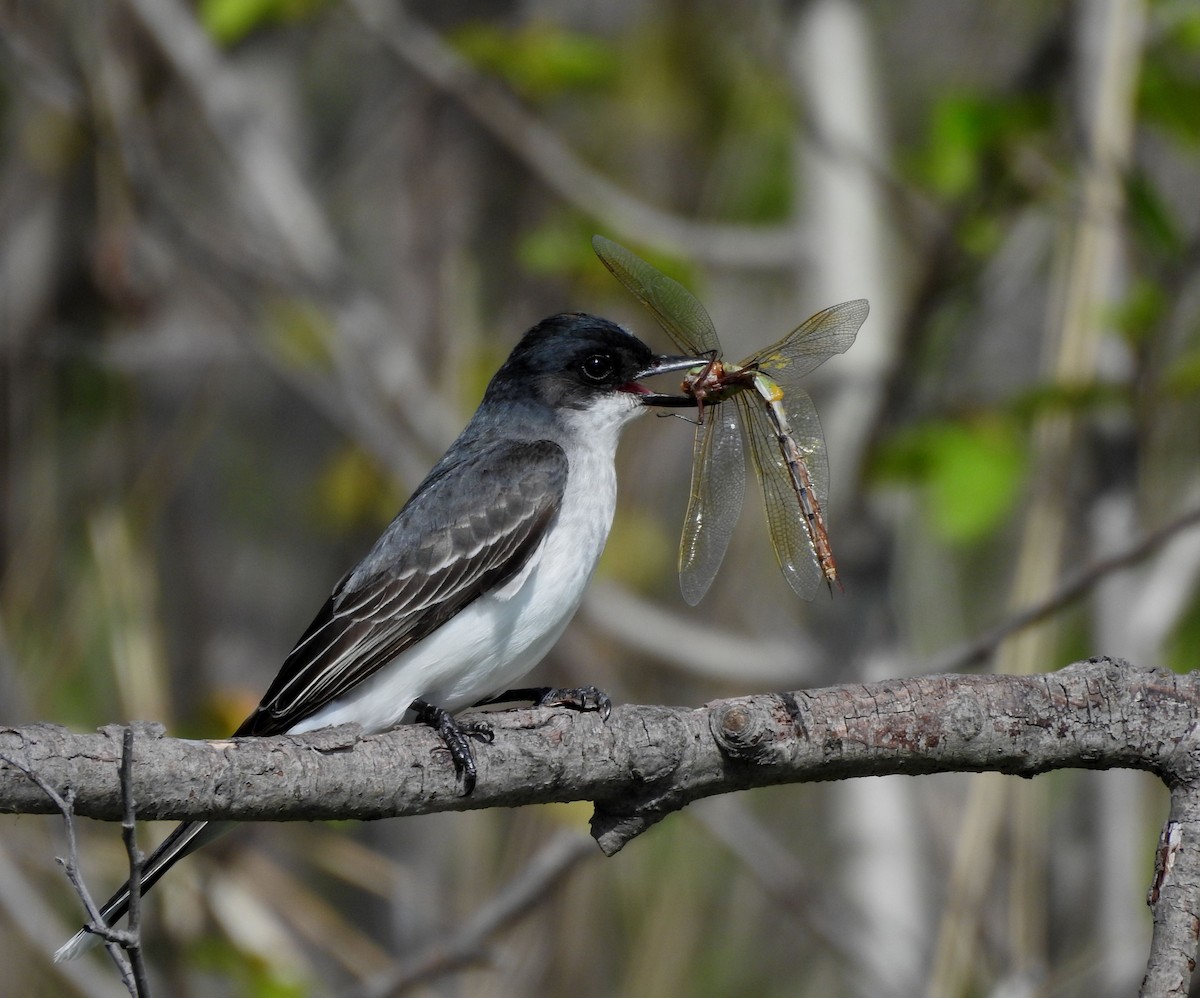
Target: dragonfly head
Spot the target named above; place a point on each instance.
(663, 364)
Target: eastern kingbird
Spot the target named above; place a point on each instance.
(476, 577)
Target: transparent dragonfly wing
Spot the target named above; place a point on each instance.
(812, 343)
(715, 503)
(677, 310)
(794, 551)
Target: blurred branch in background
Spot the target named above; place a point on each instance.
(545, 155)
(1085, 281)
(468, 944)
(1083, 580)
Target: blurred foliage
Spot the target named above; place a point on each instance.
(1182, 650)
(52, 141)
(970, 472)
(972, 135)
(539, 59)
(354, 491)
(1157, 230)
(246, 975)
(561, 246)
(1066, 399)
(1139, 314)
(229, 21)
(299, 333)
(1169, 85)
(1182, 378)
(183, 413)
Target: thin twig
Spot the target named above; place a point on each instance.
(133, 928)
(974, 652)
(113, 941)
(32, 921)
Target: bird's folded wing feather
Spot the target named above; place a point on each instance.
(471, 526)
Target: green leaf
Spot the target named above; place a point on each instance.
(229, 21)
(969, 131)
(955, 142)
(970, 473)
(978, 472)
(539, 59)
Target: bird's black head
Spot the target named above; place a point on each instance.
(571, 361)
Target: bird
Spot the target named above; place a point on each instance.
(476, 577)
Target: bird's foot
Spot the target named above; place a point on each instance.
(457, 737)
(581, 698)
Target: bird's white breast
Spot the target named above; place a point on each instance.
(498, 638)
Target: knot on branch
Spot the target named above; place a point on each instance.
(741, 731)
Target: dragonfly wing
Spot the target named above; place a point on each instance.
(677, 310)
(794, 551)
(718, 488)
(812, 343)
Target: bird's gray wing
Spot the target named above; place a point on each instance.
(470, 527)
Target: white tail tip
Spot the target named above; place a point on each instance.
(77, 945)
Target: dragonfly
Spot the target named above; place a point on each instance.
(770, 413)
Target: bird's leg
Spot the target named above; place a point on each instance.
(457, 737)
(582, 698)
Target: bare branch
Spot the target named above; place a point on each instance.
(646, 762)
(1174, 898)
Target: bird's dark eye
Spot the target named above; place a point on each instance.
(597, 368)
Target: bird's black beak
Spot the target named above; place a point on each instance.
(663, 364)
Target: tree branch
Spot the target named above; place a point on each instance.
(646, 762)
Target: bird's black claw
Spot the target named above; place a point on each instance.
(581, 698)
(479, 730)
(457, 738)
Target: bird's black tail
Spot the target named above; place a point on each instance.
(183, 841)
